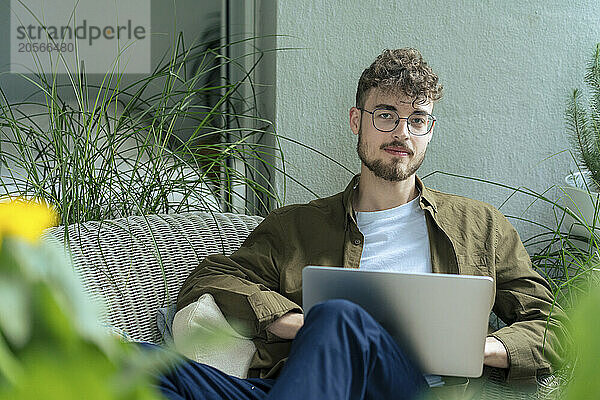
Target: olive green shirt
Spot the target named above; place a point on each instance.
(262, 280)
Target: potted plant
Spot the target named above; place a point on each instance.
(581, 192)
(119, 150)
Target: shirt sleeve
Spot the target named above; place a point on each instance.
(245, 285)
(526, 304)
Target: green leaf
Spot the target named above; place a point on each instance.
(15, 311)
(586, 325)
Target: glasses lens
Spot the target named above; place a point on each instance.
(420, 123)
(385, 120)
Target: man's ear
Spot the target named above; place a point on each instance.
(355, 118)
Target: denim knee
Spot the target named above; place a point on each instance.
(337, 308)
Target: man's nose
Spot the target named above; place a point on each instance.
(401, 130)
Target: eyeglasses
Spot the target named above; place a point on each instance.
(419, 123)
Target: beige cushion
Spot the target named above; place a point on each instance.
(202, 333)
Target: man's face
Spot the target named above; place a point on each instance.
(396, 155)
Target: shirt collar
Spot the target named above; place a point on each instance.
(427, 197)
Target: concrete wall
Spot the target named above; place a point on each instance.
(507, 69)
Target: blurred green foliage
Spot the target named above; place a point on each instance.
(585, 382)
(51, 345)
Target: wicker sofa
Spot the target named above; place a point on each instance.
(136, 265)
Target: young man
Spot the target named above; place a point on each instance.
(385, 214)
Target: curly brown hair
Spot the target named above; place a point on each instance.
(400, 71)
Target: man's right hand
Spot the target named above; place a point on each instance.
(287, 326)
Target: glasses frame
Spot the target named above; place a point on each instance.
(398, 120)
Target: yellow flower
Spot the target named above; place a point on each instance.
(25, 219)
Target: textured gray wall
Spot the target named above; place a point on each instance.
(507, 69)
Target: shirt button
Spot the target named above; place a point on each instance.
(356, 242)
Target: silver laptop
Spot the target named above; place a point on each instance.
(443, 318)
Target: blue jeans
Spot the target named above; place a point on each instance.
(341, 352)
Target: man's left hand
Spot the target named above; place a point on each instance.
(495, 354)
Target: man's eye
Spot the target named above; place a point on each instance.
(385, 116)
(418, 119)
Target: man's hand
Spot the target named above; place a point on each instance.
(495, 354)
(287, 326)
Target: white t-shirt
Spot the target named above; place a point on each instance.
(396, 239)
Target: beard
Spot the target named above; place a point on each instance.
(393, 171)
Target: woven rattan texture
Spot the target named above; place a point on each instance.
(136, 265)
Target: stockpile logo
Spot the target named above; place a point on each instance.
(97, 35)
